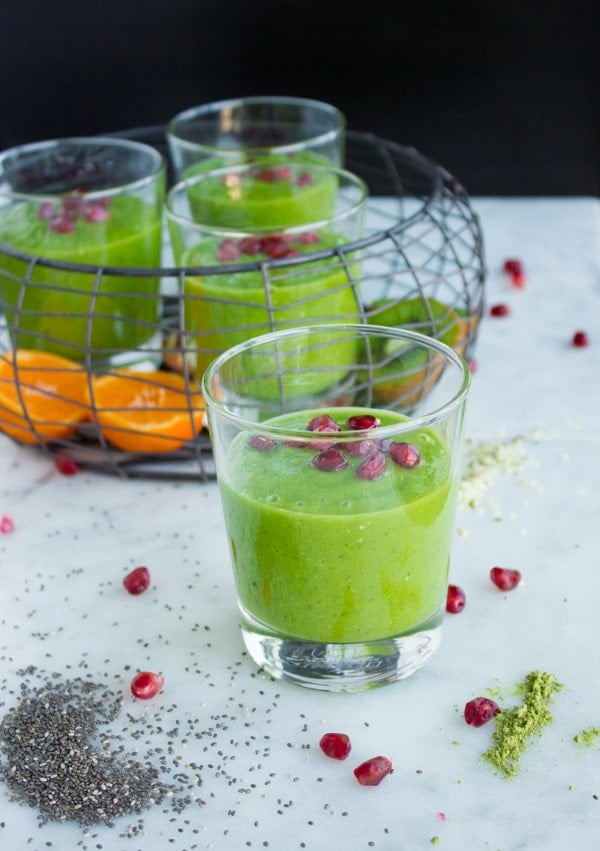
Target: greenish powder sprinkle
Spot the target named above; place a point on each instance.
(435, 840)
(588, 738)
(514, 727)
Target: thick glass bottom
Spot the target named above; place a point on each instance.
(342, 667)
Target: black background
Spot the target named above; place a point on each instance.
(503, 94)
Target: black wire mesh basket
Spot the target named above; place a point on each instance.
(421, 267)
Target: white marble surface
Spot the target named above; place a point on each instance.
(62, 608)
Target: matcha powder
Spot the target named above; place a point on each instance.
(516, 726)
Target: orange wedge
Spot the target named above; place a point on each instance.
(42, 396)
(147, 411)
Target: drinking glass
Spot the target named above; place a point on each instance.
(339, 502)
(77, 216)
(280, 129)
(259, 245)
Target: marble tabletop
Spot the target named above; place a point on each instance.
(254, 741)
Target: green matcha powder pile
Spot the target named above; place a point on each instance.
(516, 726)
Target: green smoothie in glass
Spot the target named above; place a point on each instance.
(329, 556)
(263, 239)
(88, 202)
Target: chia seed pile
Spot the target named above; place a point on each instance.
(56, 756)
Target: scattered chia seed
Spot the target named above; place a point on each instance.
(54, 758)
(516, 726)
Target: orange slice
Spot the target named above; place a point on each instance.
(147, 411)
(42, 396)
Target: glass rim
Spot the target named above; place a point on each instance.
(228, 232)
(158, 165)
(380, 432)
(207, 109)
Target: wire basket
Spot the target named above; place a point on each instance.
(421, 267)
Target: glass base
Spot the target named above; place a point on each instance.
(342, 667)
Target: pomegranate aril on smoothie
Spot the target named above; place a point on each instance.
(330, 460)
(373, 466)
(405, 455)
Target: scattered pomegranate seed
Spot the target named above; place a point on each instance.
(335, 745)
(261, 443)
(455, 599)
(137, 581)
(372, 467)
(7, 525)
(441, 816)
(504, 578)
(359, 448)
(473, 365)
(580, 340)
(514, 269)
(66, 466)
(362, 421)
(480, 710)
(372, 772)
(330, 460)
(405, 455)
(499, 310)
(146, 685)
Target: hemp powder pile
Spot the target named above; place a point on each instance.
(515, 727)
(54, 757)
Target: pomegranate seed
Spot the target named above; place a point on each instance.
(499, 310)
(7, 525)
(359, 448)
(372, 772)
(455, 599)
(62, 224)
(66, 466)
(335, 745)
(228, 250)
(309, 237)
(405, 455)
(473, 365)
(137, 581)
(323, 423)
(362, 421)
(304, 179)
(275, 247)
(270, 175)
(262, 443)
(146, 685)
(480, 710)
(372, 467)
(580, 340)
(504, 578)
(251, 245)
(46, 211)
(518, 280)
(330, 460)
(94, 212)
(513, 267)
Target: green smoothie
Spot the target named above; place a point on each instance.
(56, 307)
(227, 309)
(274, 192)
(330, 556)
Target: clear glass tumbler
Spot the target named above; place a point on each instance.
(279, 129)
(339, 502)
(259, 245)
(70, 209)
